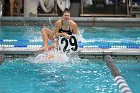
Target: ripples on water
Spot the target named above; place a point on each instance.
(74, 76)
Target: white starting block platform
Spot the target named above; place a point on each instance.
(83, 52)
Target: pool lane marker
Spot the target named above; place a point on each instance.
(124, 88)
(20, 45)
(19, 40)
(82, 44)
(83, 41)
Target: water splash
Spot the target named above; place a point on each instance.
(51, 56)
(58, 56)
(80, 34)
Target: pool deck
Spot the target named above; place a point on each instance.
(81, 21)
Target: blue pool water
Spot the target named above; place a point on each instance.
(77, 75)
(96, 36)
(93, 33)
(130, 70)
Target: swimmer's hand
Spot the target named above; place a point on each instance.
(43, 49)
(48, 48)
(67, 36)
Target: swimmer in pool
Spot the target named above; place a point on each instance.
(63, 27)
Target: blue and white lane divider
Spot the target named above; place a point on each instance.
(85, 41)
(83, 46)
(20, 40)
(124, 88)
(24, 46)
(80, 44)
(108, 46)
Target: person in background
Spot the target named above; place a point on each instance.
(63, 27)
(14, 4)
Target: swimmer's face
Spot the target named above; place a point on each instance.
(66, 16)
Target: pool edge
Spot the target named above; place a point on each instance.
(81, 21)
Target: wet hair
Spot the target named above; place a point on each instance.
(66, 10)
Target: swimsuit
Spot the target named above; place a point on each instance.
(69, 32)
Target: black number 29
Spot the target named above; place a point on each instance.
(72, 41)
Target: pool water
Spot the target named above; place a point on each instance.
(20, 32)
(75, 76)
(95, 36)
(130, 70)
(113, 33)
(112, 36)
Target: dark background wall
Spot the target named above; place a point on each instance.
(75, 8)
(6, 8)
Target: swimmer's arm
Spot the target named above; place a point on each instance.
(75, 28)
(56, 28)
